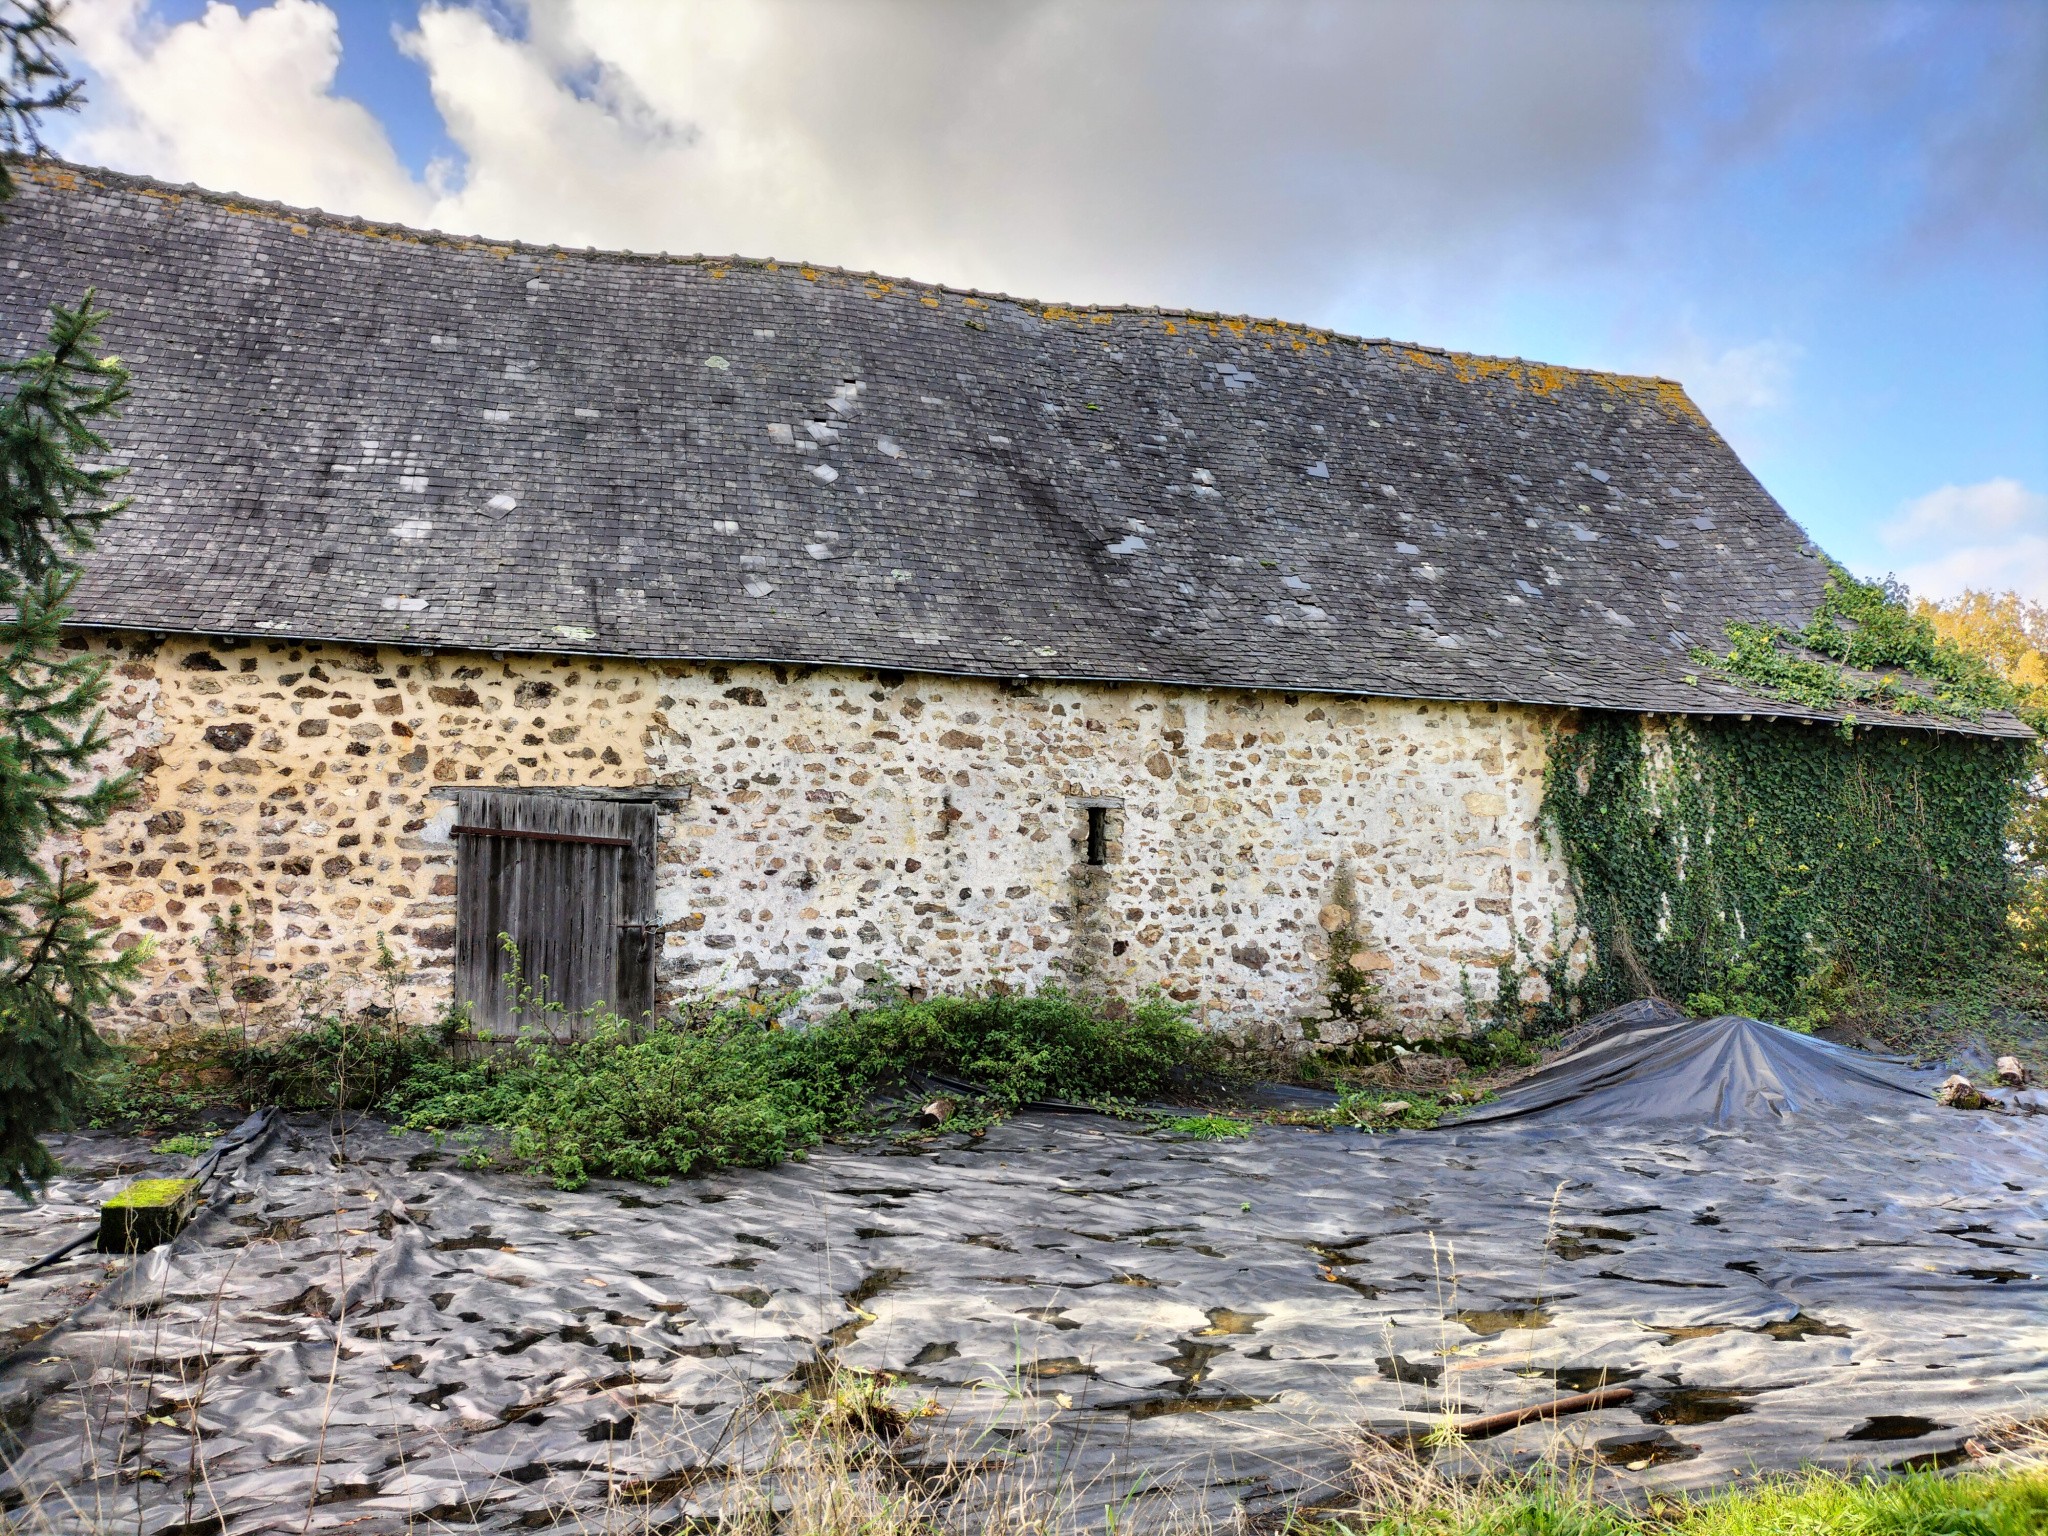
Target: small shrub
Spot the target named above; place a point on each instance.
(678, 1101)
(1047, 1045)
(185, 1146)
(172, 1079)
(718, 1086)
(1208, 1127)
(338, 1062)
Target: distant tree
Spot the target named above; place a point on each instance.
(2008, 630)
(37, 81)
(55, 971)
(2011, 632)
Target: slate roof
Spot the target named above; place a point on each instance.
(357, 432)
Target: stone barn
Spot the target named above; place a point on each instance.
(711, 623)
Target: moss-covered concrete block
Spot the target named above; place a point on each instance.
(147, 1213)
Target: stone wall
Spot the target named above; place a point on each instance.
(296, 783)
(840, 825)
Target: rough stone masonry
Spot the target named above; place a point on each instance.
(839, 825)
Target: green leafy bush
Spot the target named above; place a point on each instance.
(1208, 1127)
(716, 1086)
(339, 1061)
(638, 1104)
(1047, 1045)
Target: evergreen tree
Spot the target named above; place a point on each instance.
(54, 969)
(36, 80)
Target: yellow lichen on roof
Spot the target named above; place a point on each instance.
(55, 176)
(1537, 379)
(1078, 316)
(1544, 379)
(1666, 395)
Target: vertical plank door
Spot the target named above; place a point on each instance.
(571, 882)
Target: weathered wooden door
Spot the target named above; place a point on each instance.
(570, 879)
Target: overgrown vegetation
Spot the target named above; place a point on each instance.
(1769, 867)
(1780, 869)
(719, 1082)
(716, 1083)
(1351, 993)
(1807, 874)
(2011, 634)
(1865, 644)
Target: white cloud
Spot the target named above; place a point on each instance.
(1185, 151)
(243, 103)
(1753, 377)
(2018, 565)
(1732, 381)
(1965, 511)
(1987, 537)
(1309, 158)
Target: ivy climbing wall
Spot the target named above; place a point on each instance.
(1767, 863)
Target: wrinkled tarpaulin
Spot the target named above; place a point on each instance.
(1646, 1063)
(1844, 1286)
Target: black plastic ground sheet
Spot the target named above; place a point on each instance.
(1158, 1326)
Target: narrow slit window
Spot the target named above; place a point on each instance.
(1098, 834)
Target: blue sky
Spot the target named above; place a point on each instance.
(1828, 218)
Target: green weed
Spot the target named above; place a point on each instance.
(185, 1146)
(2009, 1503)
(1208, 1127)
(1378, 1109)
